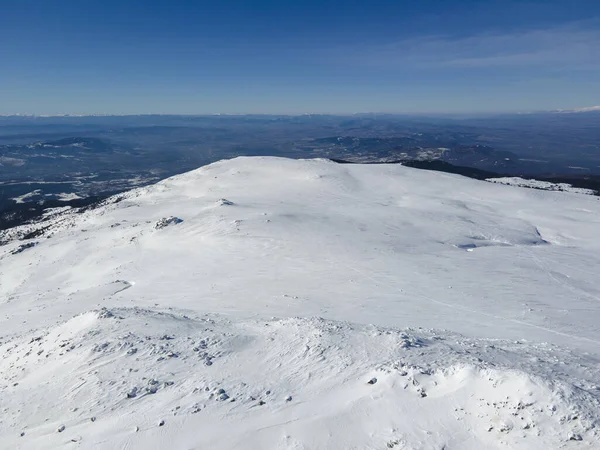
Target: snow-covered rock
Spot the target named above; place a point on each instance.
(166, 221)
(21, 248)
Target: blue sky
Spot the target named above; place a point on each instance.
(428, 56)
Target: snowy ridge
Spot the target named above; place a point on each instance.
(537, 184)
(131, 369)
(270, 303)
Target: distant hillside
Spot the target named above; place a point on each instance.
(591, 182)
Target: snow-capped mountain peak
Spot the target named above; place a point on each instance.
(273, 303)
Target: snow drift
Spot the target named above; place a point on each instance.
(111, 377)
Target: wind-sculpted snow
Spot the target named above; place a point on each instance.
(484, 303)
(111, 376)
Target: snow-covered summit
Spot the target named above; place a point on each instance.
(273, 291)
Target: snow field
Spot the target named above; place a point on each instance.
(110, 377)
(248, 304)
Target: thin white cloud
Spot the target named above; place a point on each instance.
(568, 46)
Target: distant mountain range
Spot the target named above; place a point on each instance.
(580, 110)
(432, 114)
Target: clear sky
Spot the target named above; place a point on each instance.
(220, 56)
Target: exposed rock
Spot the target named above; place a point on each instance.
(132, 393)
(21, 248)
(166, 221)
(575, 437)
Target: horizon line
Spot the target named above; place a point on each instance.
(274, 114)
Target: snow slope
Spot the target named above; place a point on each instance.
(537, 184)
(259, 320)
